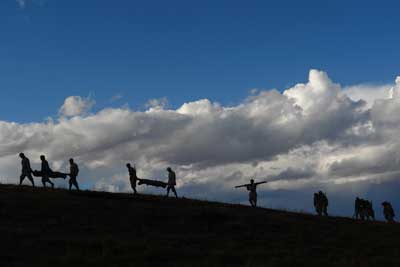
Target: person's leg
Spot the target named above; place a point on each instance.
(21, 179)
(31, 179)
(47, 180)
(133, 186)
(168, 188)
(174, 190)
(44, 182)
(76, 184)
(70, 184)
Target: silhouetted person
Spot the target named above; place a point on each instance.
(357, 208)
(26, 170)
(388, 211)
(171, 182)
(45, 172)
(252, 188)
(322, 203)
(73, 173)
(132, 177)
(364, 209)
(317, 204)
(369, 210)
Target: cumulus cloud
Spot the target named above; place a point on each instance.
(157, 103)
(315, 134)
(75, 106)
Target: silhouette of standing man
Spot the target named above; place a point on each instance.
(132, 177)
(45, 172)
(171, 182)
(26, 170)
(252, 188)
(73, 173)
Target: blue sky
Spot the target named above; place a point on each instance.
(182, 50)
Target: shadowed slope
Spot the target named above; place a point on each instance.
(46, 227)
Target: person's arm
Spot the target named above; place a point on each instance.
(28, 165)
(243, 185)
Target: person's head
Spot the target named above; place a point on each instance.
(21, 155)
(252, 181)
(320, 192)
(128, 165)
(169, 169)
(42, 157)
(71, 160)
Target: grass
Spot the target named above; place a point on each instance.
(44, 227)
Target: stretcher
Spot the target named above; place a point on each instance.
(154, 183)
(52, 174)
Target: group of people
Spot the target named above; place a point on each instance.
(363, 209)
(170, 185)
(321, 203)
(46, 172)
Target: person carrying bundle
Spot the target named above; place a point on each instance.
(26, 170)
(132, 177)
(321, 203)
(73, 173)
(252, 188)
(171, 182)
(46, 171)
(388, 211)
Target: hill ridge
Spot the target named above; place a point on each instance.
(43, 227)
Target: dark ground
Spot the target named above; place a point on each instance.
(57, 228)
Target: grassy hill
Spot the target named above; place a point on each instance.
(40, 227)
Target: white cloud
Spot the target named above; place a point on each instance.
(75, 106)
(22, 3)
(312, 134)
(368, 93)
(157, 103)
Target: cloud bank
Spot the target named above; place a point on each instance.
(313, 135)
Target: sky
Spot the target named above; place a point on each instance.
(303, 94)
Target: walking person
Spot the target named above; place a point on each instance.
(73, 173)
(46, 171)
(26, 170)
(252, 188)
(171, 182)
(132, 177)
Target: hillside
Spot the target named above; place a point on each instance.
(59, 228)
